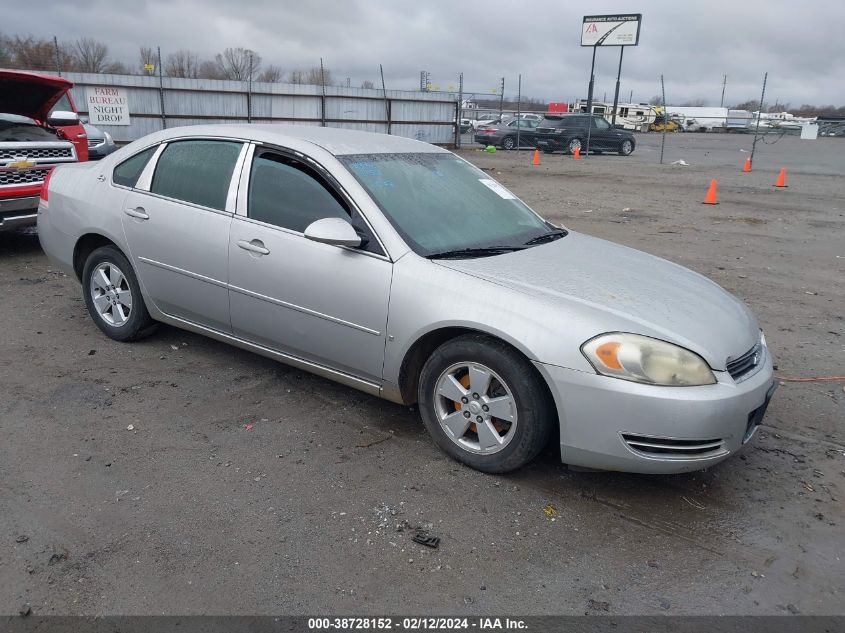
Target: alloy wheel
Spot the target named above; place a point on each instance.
(111, 294)
(475, 407)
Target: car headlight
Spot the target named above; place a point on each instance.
(646, 360)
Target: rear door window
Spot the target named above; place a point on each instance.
(197, 171)
(127, 173)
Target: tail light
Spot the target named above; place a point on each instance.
(486, 130)
(45, 191)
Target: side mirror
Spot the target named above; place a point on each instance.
(334, 231)
(63, 117)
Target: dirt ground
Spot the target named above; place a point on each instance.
(311, 509)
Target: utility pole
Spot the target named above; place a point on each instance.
(386, 100)
(518, 108)
(161, 90)
(323, 81)
(501, 97)
(58, 57)
(616, 95)
(590, 98)
(724, 83)
(460, 106)
(249, 92)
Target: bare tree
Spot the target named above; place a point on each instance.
(30, 53)
(116, 68)
(236, 63)
(91, 56)
(656, 100)
(5, 52)
(318, 76)
(272, 74)
(182, 63)
(297, 77)
(367, 84)
(210, 70)
(750, 105)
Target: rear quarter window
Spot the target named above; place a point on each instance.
(127, 173)
(198, 171)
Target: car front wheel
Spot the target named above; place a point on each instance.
(573, 145)
(483, 404)
(626, 147)
(113, 296)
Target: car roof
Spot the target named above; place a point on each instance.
(336, 141)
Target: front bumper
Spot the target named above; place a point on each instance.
(612, 424)
(18, 212)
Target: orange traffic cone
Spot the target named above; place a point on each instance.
(536, 160)
(576, 154)
(747, 166)
(781, 181)
(710, 198)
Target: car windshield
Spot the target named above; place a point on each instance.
(439, 202)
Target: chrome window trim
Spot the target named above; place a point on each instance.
(243, 183)
(243, 194)
(145, 180)
(234, 181)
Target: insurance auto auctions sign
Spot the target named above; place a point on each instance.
(107, 106)
(611, 30)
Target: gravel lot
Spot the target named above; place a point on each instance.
(311, 509)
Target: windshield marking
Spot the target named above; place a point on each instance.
(497, 188)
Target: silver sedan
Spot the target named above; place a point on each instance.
(397, 268)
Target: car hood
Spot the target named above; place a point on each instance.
(618, 288)
(30, 94)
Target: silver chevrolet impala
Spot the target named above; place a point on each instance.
(395, 267)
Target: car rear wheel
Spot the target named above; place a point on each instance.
(626, 147)
(508, 143)
(113, 296)
(483, 404)
(573, 145)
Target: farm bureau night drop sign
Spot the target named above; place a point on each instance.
(107, 106)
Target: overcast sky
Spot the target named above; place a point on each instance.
(693, 44)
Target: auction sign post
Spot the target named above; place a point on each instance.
(107, 106)
(608, 30)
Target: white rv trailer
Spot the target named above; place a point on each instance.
(630, 116)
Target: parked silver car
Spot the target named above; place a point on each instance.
(100, 143)
(398, 268)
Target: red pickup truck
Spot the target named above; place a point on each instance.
(39, 129)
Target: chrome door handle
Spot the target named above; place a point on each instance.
(255, 246)
(137, 212)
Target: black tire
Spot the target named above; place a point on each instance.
(626, 147)
(509, 143)
(573, 143)
(138, 323)
(535, 412)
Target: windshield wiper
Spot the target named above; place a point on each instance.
(547, 237)
(474, 252)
